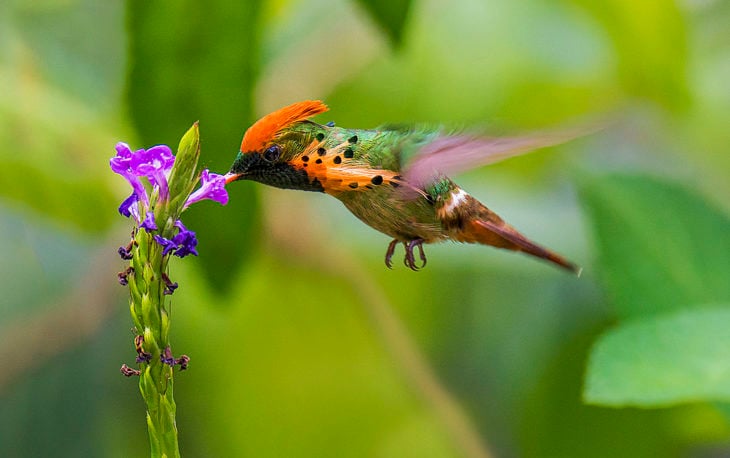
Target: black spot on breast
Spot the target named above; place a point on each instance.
(397, 177)
(369, 186)
(352, 139)
(318, 161)
(322, 151)
(376, 180)
(337, 159)
(392, 183)
(305, 158)
(349, 153)
(320, 136)
(353, 185)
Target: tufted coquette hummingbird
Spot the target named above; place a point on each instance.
(393, 178)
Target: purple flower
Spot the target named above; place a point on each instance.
(149, 222)
(212, 186)
(167, 245)
(181, 245)
(122, 164)
(167, 358)
(155, 164)
(143, 357)
(130, 205)
(185, 240)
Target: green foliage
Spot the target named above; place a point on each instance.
(663, 249)
(660, 246)
(658, 361)
(183, 174)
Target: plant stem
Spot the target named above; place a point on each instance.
(151, 316)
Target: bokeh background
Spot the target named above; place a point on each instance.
(302, 342)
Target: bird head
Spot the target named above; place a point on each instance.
(271, 143)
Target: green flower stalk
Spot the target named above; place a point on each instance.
(162, 189)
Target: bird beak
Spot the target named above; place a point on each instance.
(231, 177)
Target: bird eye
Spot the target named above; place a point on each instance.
(272, 153)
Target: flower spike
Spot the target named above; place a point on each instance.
(162, 186)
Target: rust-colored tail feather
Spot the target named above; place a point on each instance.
(504, 236)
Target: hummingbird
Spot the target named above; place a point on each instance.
(393, 178)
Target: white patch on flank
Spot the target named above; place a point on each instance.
(456, 199)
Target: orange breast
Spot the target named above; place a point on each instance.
(338, 173)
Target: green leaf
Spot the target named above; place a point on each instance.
(194, 61)
(664, 360)
(390, 15)
(182, 176)
(660, 246)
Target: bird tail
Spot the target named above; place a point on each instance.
(502, 235)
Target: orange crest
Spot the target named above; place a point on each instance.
(270, 125)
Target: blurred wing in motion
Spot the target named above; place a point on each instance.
(446, 156)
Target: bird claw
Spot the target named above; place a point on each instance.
(409, 260)
(389, 253)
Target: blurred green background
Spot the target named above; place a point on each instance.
(302, 342)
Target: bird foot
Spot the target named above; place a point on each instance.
(410, 259)
(389, 253)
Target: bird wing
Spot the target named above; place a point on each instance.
(448, 155)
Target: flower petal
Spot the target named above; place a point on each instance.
(212, 186)
(167, 245)
(152, 161)
(185, 240)
(155, 164)
(183, 244)
(124, 208)
(149, 222)
(122, 164)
